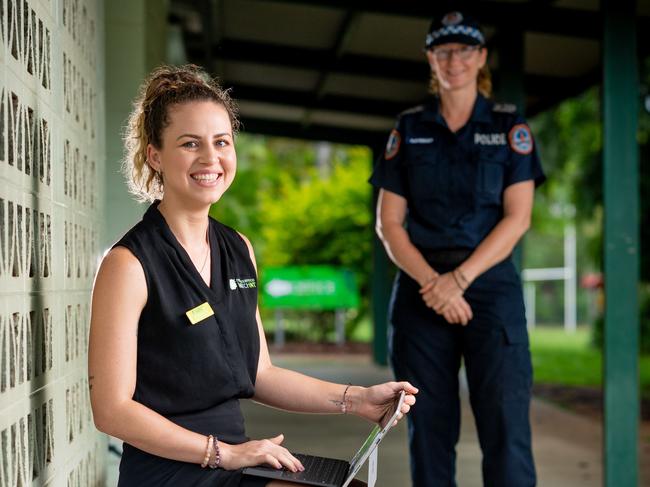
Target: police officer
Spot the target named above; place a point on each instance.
(456, 191)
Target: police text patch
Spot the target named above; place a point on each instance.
(392, 147)
(521, 140)
(490, 139)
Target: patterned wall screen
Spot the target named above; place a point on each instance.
(51, 87)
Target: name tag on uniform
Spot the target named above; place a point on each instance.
(201, 312)
(419, 140)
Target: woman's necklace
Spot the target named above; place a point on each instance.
(207, 252)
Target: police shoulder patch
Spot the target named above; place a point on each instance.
(392, 146)
(520, 139)
(504, 108)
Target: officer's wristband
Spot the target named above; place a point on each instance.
(462, 277)
(460, 286)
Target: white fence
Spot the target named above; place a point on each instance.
(568, 274)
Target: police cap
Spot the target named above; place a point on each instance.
(454, 26)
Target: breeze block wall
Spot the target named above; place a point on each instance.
(51, 207)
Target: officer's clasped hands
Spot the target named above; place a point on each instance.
(444, 295)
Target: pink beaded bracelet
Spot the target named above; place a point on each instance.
(217, 454)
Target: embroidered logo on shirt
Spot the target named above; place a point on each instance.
(490, 139)
(419, 140)
(242, 283)
(521, 140)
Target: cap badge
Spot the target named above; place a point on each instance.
(452, 18)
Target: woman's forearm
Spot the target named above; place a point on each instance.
(292, 391)
(404, 254)
(147, 430)
(495, 247)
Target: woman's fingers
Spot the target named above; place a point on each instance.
(467, 311)
(468, 308)
(290, 462)
(427, 287)
(278, 456)
(451, 315)
(406, 387)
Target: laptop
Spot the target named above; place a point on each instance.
(330, 472)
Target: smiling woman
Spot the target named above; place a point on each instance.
(166, 91)
(454, 199)
(173, 345)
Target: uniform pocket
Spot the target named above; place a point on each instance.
(518, 373)
(490, 178)
(491, 164)
(516, 335)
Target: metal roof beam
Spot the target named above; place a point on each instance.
(343, 36)
(314, 132)
(534, 85)
(531, 16)
(321, 60)
(304, 99)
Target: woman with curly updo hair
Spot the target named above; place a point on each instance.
(176, 338)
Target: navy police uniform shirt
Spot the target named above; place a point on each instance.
(454, 182)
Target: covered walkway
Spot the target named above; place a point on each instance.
(567, 447)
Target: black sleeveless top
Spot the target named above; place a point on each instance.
(193, 374)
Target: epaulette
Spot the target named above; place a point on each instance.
(504, 108)
(414, 109)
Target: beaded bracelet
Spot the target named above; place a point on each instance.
(453, 274)
(208, 451)
(462, 276)
(344, 406)
(217, 454)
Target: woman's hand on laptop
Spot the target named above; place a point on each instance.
(259, 452)
(377, 403)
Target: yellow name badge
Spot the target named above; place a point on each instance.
(201, 312)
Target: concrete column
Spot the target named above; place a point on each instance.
(135, 43)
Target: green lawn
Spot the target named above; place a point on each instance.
(570, 359)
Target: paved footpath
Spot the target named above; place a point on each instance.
(567, 447)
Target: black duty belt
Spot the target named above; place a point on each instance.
(447, 256)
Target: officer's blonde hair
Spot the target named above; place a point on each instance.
(165, 87)
(483, 82)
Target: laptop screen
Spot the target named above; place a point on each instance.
(374, 438)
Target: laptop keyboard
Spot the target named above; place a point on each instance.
(320, 470)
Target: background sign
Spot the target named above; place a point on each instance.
(309, 287)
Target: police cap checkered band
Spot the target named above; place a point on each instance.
(454, 27)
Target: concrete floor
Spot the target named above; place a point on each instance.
(567, 447)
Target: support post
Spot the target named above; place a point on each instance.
(621, 243)
(380, 287)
